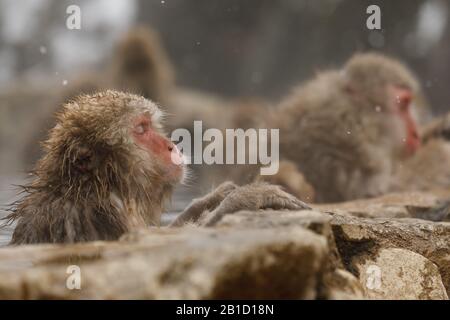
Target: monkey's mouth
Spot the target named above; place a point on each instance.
(177, 166)
(177, 157)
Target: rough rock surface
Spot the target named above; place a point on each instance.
(340, 284)
(421, 205)
(370, 249)
(361, 238)
(189, 264)
(400, 274)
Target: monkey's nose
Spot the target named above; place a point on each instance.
(170, 148)
(176, 155)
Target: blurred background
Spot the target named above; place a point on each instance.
(226, 48)
(230, 47)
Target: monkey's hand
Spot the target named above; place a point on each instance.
(253, 197)
(204, 204)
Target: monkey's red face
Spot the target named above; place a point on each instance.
(401, 100)
(160, 149)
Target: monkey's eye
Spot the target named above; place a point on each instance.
(141, 128)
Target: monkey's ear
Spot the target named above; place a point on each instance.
(84, 160)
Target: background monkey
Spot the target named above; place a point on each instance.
(140, 65)
(347, 129)
(108, 169)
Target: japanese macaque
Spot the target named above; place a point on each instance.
(346, 129)
(108, 169)
(141, 66)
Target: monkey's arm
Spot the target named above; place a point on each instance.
(207, 203)
(229, 198)
(253, 197)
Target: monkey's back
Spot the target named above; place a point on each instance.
(324, 134)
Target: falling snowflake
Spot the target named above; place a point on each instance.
(43, 50)
(65, 82)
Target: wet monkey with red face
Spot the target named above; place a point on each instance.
(108, 168)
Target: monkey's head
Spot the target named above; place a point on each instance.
(388, 90)
(113, 142)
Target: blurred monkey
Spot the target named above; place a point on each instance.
(345, 130)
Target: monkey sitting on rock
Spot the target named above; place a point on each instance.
(108, 169)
